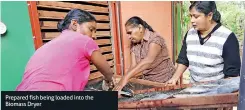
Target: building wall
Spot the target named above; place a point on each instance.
(16, 45)
(156, 14)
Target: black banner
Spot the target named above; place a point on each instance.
(85, 100)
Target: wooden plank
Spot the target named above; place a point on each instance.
(52, 35)
(103, 25)
(61, 15)
(106, 49)
(103, 41)
(48, 24)
(114, 13)
(108, 56)
(69, 6)
(231, 98)
(198, 107)
(92, 68)
(103, 33)
(98, 2)
(51, 14)
(95, 75)
(205, 107)
(53, 25)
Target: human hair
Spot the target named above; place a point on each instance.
(135, 21)
(75, 14)
(206, 7)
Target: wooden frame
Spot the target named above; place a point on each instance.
(212, 101)
(219, 101)
(36, 31)
(115, 33)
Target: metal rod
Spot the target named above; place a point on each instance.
(241, 104)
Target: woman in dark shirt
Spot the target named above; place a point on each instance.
(210, 50)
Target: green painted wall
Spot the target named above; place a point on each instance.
(16, 45)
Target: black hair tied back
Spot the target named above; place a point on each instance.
(206, 7)
(75, 14)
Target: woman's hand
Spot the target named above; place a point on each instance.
(120, 84)
(108, 84)
(172, 81)
(179, 71)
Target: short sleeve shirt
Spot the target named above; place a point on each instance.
(162, 69)
(63, 64)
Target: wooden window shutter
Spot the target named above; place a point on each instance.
(50, 12)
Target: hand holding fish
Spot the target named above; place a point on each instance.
(120, 84)
(108, 85)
